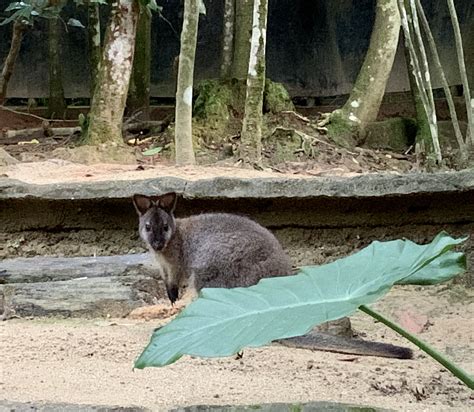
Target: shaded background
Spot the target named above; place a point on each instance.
(315, 47)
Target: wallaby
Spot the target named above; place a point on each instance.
(225, 250)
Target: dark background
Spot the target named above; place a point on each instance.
(315, 47)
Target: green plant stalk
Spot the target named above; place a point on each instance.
(451, 366)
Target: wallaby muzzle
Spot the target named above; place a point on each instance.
(172, 293)
(158, 245)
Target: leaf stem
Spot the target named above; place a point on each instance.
(451, 366)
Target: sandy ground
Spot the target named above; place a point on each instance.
(90, 362)
(60, 171)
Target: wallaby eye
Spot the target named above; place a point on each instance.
(165, 227)
(147, 227)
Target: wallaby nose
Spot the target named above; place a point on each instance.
(172, 293)
(157, 245)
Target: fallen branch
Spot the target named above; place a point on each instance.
(149, 124)
(17, 135)
(34, 116)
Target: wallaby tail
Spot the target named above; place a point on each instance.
(331, 343)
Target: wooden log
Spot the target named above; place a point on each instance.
(15, 136)
(81, 297)
(77, 286)
(45, 269)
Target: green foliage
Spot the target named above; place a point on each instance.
(276, 98)
(223, 321)
(83, 121)
(152, 152)
(150, 5)
(75, 23)
(213, 100)
(27, 10)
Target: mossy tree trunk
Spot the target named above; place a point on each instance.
(365, 99)
(184, 93)
(251, 137)
(95, 51)
(420, 70)
(110, 94)
(139, 90)
(228, 39)
(423, 134)
(56, 103)
(17, 35)
(242, 33)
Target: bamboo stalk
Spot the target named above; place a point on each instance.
(442, 75)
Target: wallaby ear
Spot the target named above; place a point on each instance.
(167, 202)
(142, 203)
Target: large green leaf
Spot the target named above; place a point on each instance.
(223, 321)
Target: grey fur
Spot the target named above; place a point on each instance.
(210, 250)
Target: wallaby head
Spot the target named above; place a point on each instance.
(157, 222)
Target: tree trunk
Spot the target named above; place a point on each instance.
(228, 39)
(7, 71)
(184, 93)
(251, 137)
(139, 91)
(444, 81)
(420, 69)
(56, 103)
(110, 95)
(95, 51)
(423, 134)
(243, 30)
(463, 72)
(364, 102)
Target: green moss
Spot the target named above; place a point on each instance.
(276, 98)
(341, 132)
(393, 134)
(213, 100)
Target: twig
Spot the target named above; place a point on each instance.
(34, 115)
(48, 131)
(299, 133)
(133, 116)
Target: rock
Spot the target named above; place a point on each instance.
(369, 185)
(6, 159)
(96, 154)
(395, 134)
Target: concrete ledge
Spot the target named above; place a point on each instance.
(363, 186)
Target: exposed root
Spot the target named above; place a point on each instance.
(308, 142)
(297, 115)
(324, 120)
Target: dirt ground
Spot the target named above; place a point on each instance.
(290, 146)
(90, 362)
